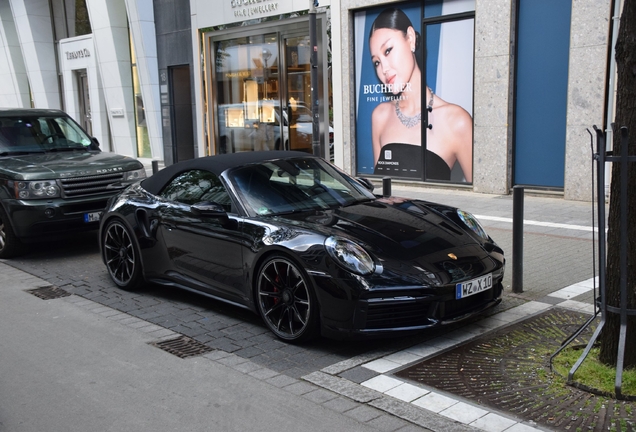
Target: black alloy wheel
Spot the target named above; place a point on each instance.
(121, 256)
(286, 300)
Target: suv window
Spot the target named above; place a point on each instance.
(40, 133)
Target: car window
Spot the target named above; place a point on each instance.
(291, 185)
(196, 186)
(41, 134)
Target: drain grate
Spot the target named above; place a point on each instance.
(182, 347)
(49, 293)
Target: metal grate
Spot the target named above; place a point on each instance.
(49, 292)
(90, 185)
(508, 370)
(182, 347)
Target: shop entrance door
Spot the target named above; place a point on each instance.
(84, 101)
(261, 90)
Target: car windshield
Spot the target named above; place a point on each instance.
(37, 134)
(293, 185)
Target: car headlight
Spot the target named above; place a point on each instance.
(350, 255)
(42, 189)
(471, 222)
(135, 175)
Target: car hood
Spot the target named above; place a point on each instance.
(413, 238)
(52, 165)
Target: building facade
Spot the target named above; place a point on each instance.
(476, 94)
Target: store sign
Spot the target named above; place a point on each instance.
(72, 55)
(253, 8)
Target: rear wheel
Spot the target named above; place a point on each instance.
(121, 256)
(286, 300)
(10, 245)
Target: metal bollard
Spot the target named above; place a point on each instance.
(517, 239)
(155, 166)
(386, 186)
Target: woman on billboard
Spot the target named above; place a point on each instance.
(396, 123)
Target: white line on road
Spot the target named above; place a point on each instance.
(537, 223)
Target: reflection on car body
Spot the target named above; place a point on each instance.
(299, 242)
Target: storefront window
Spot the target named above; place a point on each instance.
(414, 74)
(247, 88)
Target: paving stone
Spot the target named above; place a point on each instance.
(387, 423)
(263, 374)
(363, 413)
(249, 352)
(319, 396)
(246, 367)
(342, 386)
(359, 374)
(281, 381)
(300, 388)
(341, 404)
(232, 360)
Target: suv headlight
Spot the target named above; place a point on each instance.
(350, 255)
(471, 222)
(41, 189)
(135, 175)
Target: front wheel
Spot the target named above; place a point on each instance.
(10, 244)
(121, 256)
(286, 300)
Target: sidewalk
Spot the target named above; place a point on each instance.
(70, 364)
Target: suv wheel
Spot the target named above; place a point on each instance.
(10, 245)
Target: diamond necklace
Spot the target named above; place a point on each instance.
(409, 122)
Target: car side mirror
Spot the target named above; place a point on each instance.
(94, 145)
(366, 183)
(210, 209)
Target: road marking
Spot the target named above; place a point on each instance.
(538, 223)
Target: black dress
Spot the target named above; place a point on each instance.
(405, 160)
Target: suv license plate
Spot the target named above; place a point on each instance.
(92, 217)
(474, 286)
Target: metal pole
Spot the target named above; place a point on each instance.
(315, 106)
(386, 186)
(517, 239)
(155, 166)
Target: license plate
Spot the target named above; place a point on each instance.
(472, 287)
(92, 217)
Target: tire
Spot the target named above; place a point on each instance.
(286, 300)
(121, 256)
(10, 245)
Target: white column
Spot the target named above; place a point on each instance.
(110, 36)
(14, 84)
(32, 20)
(142, 24)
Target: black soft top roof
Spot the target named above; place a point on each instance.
(215, 164)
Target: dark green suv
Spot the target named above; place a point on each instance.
(54, 180)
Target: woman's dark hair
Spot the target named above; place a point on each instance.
(395, 19)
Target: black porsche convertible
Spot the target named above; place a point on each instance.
(296, 240)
